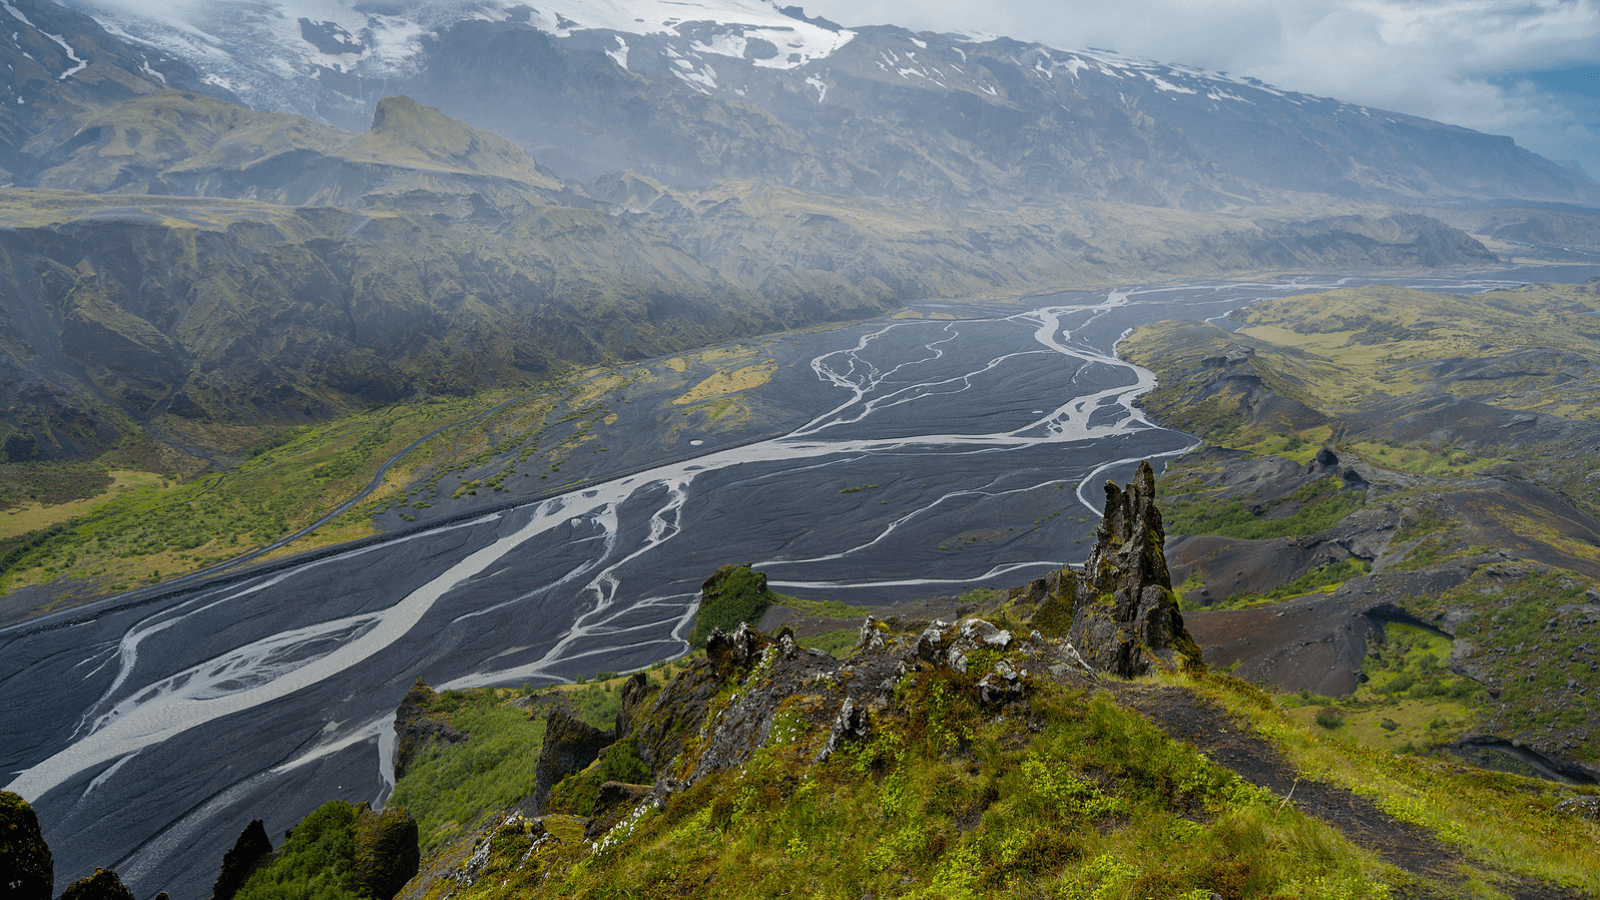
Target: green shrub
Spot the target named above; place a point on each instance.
(317, 862)
(733, 595)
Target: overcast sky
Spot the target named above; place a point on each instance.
(1527, 69)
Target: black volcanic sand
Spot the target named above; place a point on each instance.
(266, 696)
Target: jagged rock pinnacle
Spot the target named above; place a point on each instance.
(1125, 617)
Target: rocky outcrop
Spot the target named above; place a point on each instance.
(102, 885)
(387, 851)
(733, 595)
(614, 801)
(1126, 618)
(636, 691)
(570, 745)
(238, 863)
(414, 728)
(1119, 614)
(27, 871)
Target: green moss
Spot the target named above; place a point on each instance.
(733, 595)
(26, 864)
(1321, 507)
(825, 609)
(317, 862)
(448, 786)
(837, 642)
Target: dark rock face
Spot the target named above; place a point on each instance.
(27, 871)
(570, 744)
(102, 885)
(635, 692)
(414, 729)
(1125, 617)
(677, 713)
(1120, 613)
(614, 801)
(731, 652)
(387, 852)
(237, 864)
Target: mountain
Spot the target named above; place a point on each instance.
(692, 93)
(244, 212)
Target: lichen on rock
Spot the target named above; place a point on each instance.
(27, 870)
(387, 850)
(1125, 618)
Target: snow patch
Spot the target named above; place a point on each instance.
(1164, 85)
(20, 18)
(621, 53)
(820, 85)
(701, 80)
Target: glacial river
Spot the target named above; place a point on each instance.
(149, 735)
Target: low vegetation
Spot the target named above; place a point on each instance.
(1078, 795)
(448, 785)
(734, 595)
(317, 862)
(1316, 507)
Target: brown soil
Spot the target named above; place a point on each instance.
(1232, 743)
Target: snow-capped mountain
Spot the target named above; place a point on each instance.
(692, 92)
(315, 57)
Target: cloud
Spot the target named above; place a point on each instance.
(1457, 61)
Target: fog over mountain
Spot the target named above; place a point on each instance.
(669, 155)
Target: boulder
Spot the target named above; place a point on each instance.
(570, 745)
(27, 871)
(237, 863)
(102, 885)
(1125, 618)
(387, 853)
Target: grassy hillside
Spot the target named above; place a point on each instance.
(1459, 496)
(1173, 786)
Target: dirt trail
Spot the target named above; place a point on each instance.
(1231, 743)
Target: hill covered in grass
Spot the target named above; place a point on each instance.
(1397, 508)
